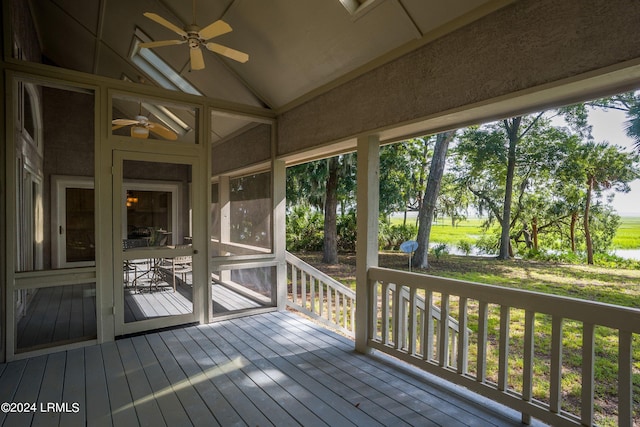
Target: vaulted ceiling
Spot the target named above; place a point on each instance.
(296, 48)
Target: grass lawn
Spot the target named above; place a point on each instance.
(627, 237)
(613, 286)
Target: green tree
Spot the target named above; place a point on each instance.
(629, 102)
(500, 162)
(428, 205)
(323, 185)
(603, 167)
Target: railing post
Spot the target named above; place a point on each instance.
(503, 345)
(556, 364)
(427, 346)
(413, 325)
(463, 337)
(625, 379)
(483, 314)
(586, 412)
(279, 183)
(443, 347)
(527, 368)
(368, 195)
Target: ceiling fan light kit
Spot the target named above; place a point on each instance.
(139, 132)
(196, 38)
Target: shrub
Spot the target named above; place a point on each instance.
(464, 246)
(304, 229)
(439, 250)
(392, 236)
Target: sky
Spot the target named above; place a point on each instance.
(609, 126)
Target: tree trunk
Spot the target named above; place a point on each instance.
(512, 132)
(587, 233)
(572, 231)
(428, 206)
(330, 247)
(534, 233)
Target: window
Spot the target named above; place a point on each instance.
(358, 8)
(156, 68)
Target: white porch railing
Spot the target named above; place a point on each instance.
(319, 296)
(397, 327)
(323, 298)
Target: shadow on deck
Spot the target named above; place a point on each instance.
(268, 369)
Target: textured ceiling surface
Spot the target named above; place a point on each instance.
(295, 47)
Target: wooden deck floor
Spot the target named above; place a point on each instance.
(269, 369)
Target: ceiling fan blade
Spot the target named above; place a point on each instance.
(150, 45)
(216, 29)
(236, 55)
(124, 122)
(162, 131)
(160, 20)
(197, 60)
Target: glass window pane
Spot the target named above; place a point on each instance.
(80, 225)
(55, 139)
(250, 213)
(151, 120)
(242, 289)
(54, 316)
(157, 287)
(156, 199)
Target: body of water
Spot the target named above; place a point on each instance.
(628, 253)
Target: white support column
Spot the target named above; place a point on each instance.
(279, 182)
(367, 241)
(224, 201)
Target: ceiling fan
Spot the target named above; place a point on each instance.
(140, 127)
(196, 38)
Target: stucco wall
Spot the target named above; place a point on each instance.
(246, 149)
(524, 45)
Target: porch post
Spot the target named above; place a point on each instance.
(279, 174)
(367, 241)
(224, 202)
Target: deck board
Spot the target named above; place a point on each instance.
(74, 389)
(145, 405)
(268, 369)
(97, 409)
(204, 381)
(51, 390)
(161, 387)
(196, 408)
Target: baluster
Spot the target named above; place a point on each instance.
(385, 312)
(320, 297)
(483, 315)
(303, 286)
(294, 284)
(463, 337)
(413, 314)
(337, 307)
(527, 370)
(503, 358)
(443, 348)
(312, 291)
(373, 307)
(625, 379)
(586, 414)
(556, 364)
(329, 304)
(399, 322)
(345, 310)
(427, 329)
